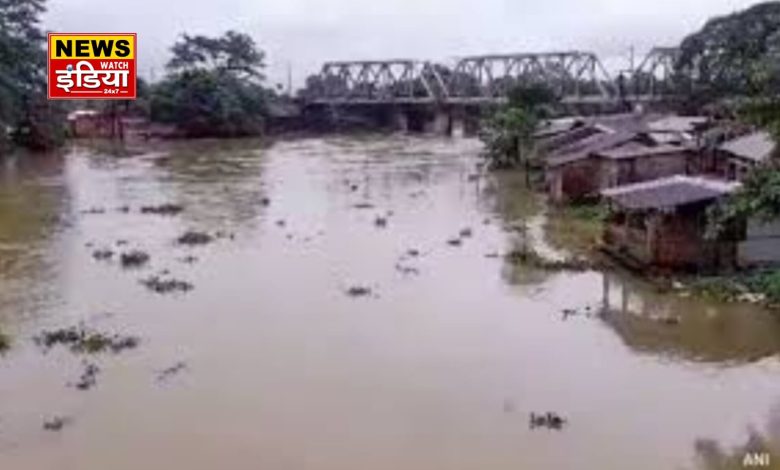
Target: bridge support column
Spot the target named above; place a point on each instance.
(440, 124)
(458, 126)
(400, 121)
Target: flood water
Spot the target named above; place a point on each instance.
(270, 363)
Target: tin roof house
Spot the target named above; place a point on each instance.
(735, 158)
(663, 224)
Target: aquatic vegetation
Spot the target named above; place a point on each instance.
(530, 258)
(57, 423)
(134, 259)
(88, 378)
(103, 255)
(81, 340)
(359, 291)
(576, 228)
(195, 238)
(761, 287)
(166, 286)
(169, 372)
(162, 209)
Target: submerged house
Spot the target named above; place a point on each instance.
(626, 149)
(663, 223)
(612, 161)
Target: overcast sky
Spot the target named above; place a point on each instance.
(302, 34)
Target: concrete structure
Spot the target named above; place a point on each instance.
(662, 223)
(578, 78)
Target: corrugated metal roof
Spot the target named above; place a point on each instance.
(669, 192)
(757, 146)
(636, 150)
(677, 123)
(589, 146)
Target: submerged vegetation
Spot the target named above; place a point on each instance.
(79, 339)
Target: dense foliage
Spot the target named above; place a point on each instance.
(214, 87)
(508, 133)
(738, 54)
(26, 116)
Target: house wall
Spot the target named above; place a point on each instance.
(680, 243)
(673, 241)
(636, 170)
(90, 126)
(731, 167)
(761, 245)
(573, 180)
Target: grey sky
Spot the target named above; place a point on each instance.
(304, 33)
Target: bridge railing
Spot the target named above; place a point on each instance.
(575, 76)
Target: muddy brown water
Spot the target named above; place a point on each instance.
(269, 363)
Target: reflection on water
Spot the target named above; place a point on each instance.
(439, 368)
(34, 207)
(669, 325)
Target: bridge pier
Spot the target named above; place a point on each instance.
(440, 125)
(458, 127)
(400, 121)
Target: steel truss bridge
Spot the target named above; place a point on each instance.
(575, 76)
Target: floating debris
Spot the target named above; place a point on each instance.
(134, 259)
(353, 188)
(168, 372)
(163, 209)
(380, 222)
(281, 223)
(94, 210)
(413, 253)
(548, 420)
(103, 255)
(166, 286)
(466, 233)
(88, 378)
(455, 242)
(57, 423)
(81, 340)
(359, 291)
(363, 205)
(123, 209)
(407, 270)
(195, 238)
(265, 202)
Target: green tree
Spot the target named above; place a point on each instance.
(25, 114)
(214, 87)
(738, 54)
(508, 133)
